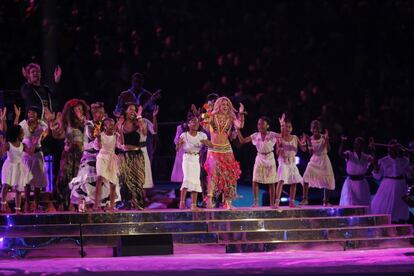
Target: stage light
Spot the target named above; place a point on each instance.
(297, 160)
(284, 199)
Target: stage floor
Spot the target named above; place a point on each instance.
(356, 262)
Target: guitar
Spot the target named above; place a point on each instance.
(152, 100)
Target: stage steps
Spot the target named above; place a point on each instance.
(239, 230)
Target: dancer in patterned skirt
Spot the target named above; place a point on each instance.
(132, 163)
(222, 169)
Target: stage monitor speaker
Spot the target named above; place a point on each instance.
(141, 245)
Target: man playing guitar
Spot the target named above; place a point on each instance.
(137, 94)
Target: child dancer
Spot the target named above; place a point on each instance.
(177, 171)
(288, 172)
(33, 127)
(106, 161)
(318, 173)
(391, 170)
(355, 190)
(191, 142)
(14, 172)
(265, 170)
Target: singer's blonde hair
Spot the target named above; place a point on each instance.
(219, 102)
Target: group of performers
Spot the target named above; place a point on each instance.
(222, 124)
(106, 160)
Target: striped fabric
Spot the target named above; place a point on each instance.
(132, 176)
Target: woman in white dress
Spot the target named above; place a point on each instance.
(33, 128)
(355, 191)
(107, 166)
(14, 173)
(191, 143)
(287, 172)
(319, 173)
(264, 170)
(392, 171)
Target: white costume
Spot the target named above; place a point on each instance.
(191, 160)
(319, 172)
(148, 171)
(14, 172)
(355, 190)
(106, 160)
(35, 163)
(265, 170)
(287, 170)
(393, 186)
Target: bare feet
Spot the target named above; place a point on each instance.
(182, 205)
(276, 205)
(227, 205)
(304, 202)
(88, 209)
(4, 208)
(109, 209)
(292, 204)
(209, 203)
(38, 210)
(194, 208)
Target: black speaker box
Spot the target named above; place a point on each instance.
(140, 245)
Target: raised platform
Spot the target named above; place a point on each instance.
(239, 230)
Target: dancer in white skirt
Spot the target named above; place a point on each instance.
(392, 171)
(177, 171)
(107, 166)
(152, 127)
(14, 173)
(33, 127)
(191, 142)
(355, 190)
(319, 173)
(287, 172)
(265, 170)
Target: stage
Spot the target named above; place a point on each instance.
(394, 262)
(171, 231)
